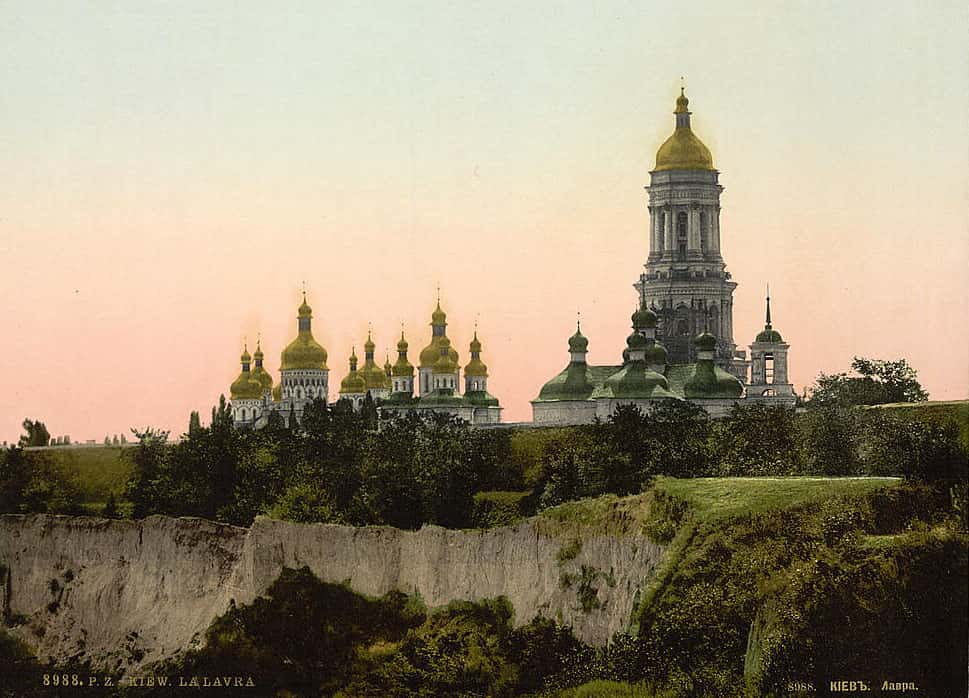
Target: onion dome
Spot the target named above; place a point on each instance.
(245, 387)
(432, 352)
(644, 319)
(304, 352)
(656, 354)
(708, 380)
(705, 342)
(402, 367)
(769, 334)
(354, 383)
(375, 378)
(683, 150)
(577, 343)
(476, 367)
(636, 342)
(446, 363)
(260, 373)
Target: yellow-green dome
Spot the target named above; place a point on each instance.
(304, 352)
(402, 367)
(259, 371)
(683, 150)
(446, 362)
(354, 383)
(245, 387)
(438, 317)
(432, 352)
(476, 366)
(375, 377)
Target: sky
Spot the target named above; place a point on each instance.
(175, 171)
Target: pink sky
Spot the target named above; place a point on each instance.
(175, 174)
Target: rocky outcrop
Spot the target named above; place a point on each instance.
(123, 594)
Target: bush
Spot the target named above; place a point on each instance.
(492, 509)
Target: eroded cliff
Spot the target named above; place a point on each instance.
(123, 594)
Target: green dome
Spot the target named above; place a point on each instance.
(304, 309)
(438, 317)
(475, 344)
(769, 335)
(636, 341)
(245, 387)
(706, 342)
(656, 354)
(245, 358)
(709, 381)
(634, 380)
(644, 319)
(577, 343)
(402, 344)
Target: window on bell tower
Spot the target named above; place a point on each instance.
(681, 234)
(768, 368)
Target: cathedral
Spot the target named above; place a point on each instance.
(682, 343)
(304, 377)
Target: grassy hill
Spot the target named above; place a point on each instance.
(97, 471)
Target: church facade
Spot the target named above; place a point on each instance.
(682, 344)
(304, 377)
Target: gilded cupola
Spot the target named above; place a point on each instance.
(304, 352)
(683, 150)
(245, 387)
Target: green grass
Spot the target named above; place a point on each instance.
(610, 689)
(714, 498)
(602, 516)
(98, 470)
(941, 412)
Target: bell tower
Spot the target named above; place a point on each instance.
(686, 282)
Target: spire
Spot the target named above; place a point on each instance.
(767, 326)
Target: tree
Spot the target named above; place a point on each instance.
(875, 382)
(37, 434)
(194, 422)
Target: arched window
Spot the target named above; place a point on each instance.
(769, 368)
(681, 233)
(768, 393)
(703, 231)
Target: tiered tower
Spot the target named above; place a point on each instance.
(686, 282)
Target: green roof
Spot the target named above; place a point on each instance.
(481, 398)
(769, 335)
(677, 376)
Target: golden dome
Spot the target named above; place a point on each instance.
(402, 367)
(304, 352)
(438, 317)
(376, 379)
(683, 150)
(259, 372)
(446, 363)
(476, 366)
(354, 383)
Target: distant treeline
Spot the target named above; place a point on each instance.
(349, 467)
